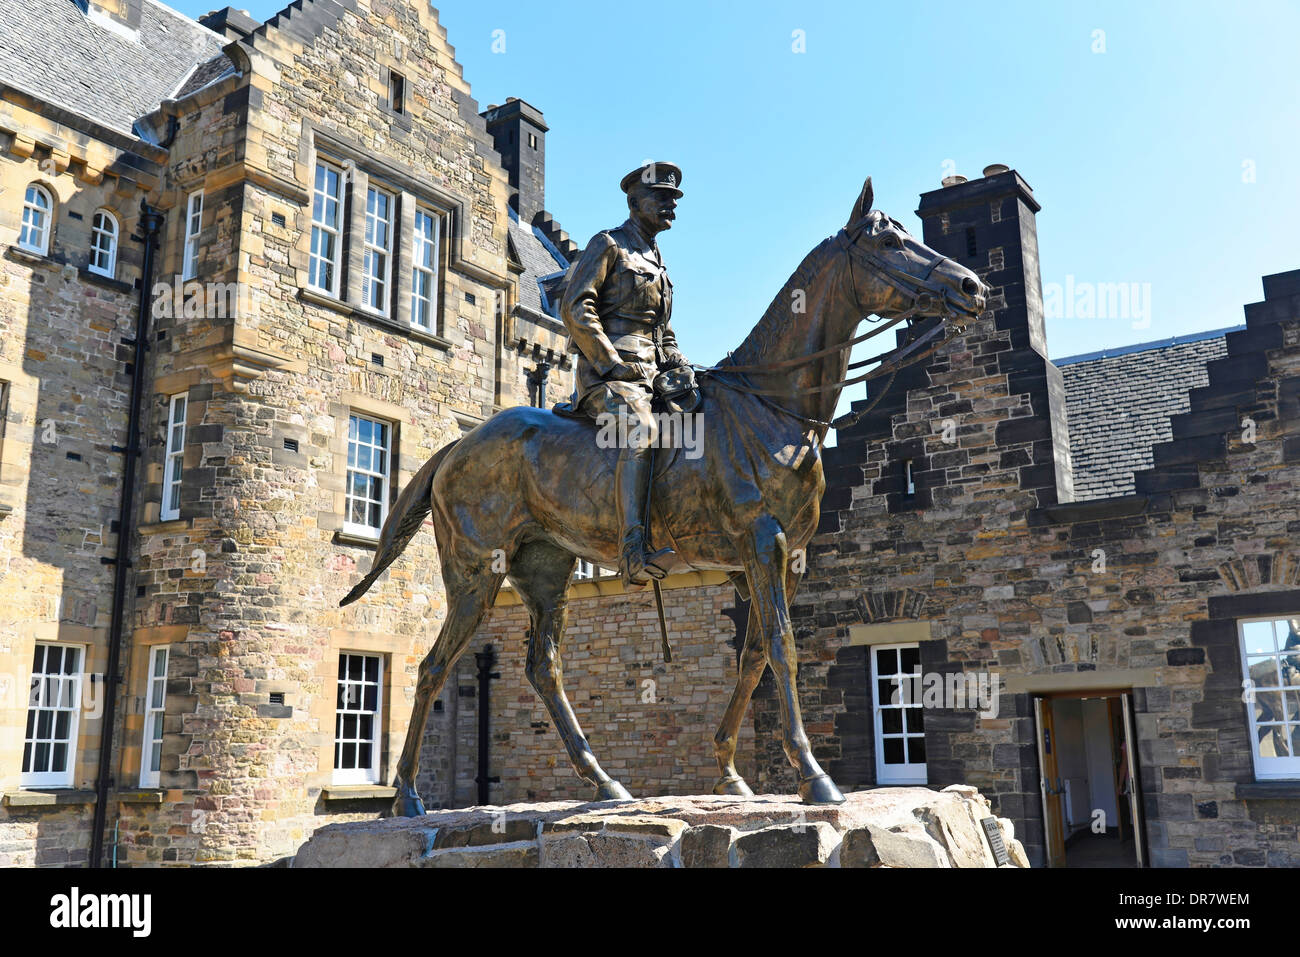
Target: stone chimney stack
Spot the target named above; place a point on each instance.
(230, 23)
(988, 225)
(519, 134)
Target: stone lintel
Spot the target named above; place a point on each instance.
(1081, 681)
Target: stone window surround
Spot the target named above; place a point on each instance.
(877, 728)
(66, 777)
(136, 679)
(154, 719)
(94, 643)
(411, 189)
(155, 464)
(386, 449)
(1234, 608)
(191, 235)
(395, 710)
(341, 776)
(174, 475)
(114, 236)
(47, 233)
(399, 419)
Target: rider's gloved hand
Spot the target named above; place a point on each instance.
(623, 373)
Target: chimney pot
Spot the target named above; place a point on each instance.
(995, 168)
(953, 181)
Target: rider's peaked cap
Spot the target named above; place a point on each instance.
(656, 176)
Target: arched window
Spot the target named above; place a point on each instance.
(103, 243)
(37, 213)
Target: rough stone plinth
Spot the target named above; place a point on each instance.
(886, 827)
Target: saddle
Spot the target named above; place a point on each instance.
(675, 390)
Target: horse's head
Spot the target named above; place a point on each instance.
(893, 273)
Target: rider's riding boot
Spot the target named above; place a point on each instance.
(633, 480)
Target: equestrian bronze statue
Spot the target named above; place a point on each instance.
(538, 488)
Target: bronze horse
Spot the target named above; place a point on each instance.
(528, 493)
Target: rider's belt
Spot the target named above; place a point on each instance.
(635, 346)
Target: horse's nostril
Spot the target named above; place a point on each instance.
(970, 287)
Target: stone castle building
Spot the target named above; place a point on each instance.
(1108, 540)
(251, 276)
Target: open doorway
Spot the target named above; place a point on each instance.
(1091, 807)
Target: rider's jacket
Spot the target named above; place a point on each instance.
(616, 305)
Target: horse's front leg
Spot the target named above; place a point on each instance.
(766, 556)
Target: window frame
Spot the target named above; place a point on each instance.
(109, 271)
(153, 716)
(385, 477)
(25, 226)
(319, 225)
(370, 249)
(370, 775)
(396, 93)
(433, 272)
(67, 777)
(173, 458)
(887, 774)
(193, 230)
(1269, 768)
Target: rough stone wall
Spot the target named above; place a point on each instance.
(244, 584)
(65, 365)
(650, 724)
(1014, 589)
(247, 779)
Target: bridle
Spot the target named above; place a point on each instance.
(925, 295)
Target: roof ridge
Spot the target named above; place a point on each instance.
(1177, 340)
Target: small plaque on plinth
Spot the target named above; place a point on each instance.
(994, 835)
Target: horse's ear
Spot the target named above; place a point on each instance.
(863, 205)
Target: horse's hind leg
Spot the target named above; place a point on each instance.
(753, 658)
(469, 593)
(541, 572)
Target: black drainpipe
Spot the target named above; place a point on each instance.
(150, 223)
(485, 659)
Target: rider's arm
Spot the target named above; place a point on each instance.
(578, 304)
(672, 355)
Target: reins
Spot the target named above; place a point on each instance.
(920, 290)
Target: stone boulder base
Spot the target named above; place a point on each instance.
(887, 827)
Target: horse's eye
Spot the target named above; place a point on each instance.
(891, 241)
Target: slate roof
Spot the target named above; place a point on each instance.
(53, 51)
(1119, 402)
(540, 259)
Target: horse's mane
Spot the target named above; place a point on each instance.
(766, 332)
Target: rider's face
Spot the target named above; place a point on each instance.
(655, 209)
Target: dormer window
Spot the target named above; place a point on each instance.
(396, 92)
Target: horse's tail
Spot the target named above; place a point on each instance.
(404, 520)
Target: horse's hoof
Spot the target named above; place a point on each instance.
(820, 789)
(734, 785)
(407, 803)
(612, 791)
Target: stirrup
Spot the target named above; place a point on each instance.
(639, 568)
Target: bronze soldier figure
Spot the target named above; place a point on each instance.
(616, 304)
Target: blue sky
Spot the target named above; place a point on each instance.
(1170, 159)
